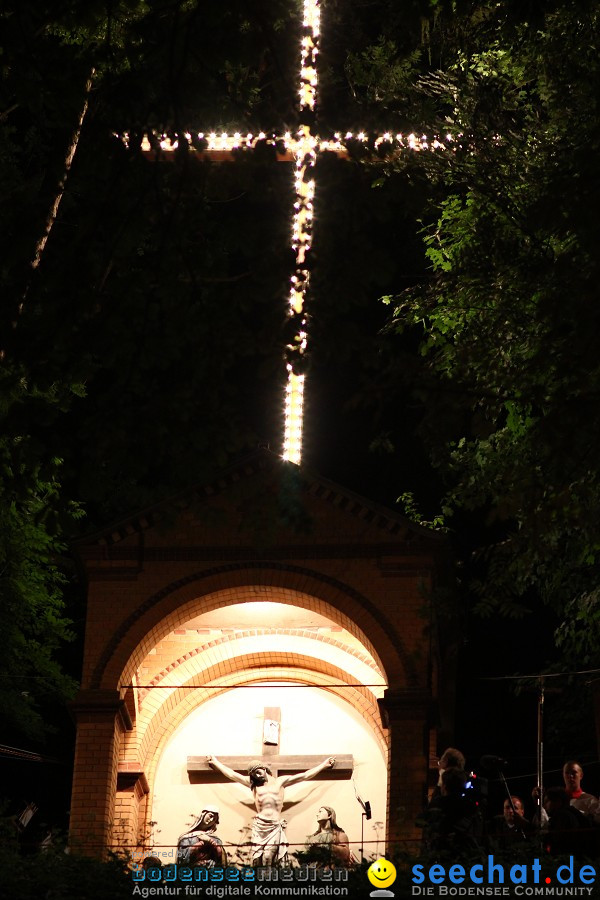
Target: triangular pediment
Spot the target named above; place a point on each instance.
(262, 505)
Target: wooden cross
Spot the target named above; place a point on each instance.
(200, 772)
(303, 148)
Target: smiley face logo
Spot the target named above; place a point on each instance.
(381, 873)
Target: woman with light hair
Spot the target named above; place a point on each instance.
(329, 843)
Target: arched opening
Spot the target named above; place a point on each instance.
(365, 642)
(177, 603)
(204, 688)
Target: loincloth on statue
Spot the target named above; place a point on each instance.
(267, 834)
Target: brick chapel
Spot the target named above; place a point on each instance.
(269, 615)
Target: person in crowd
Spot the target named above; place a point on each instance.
(587, 804)
(451, 758)
(567, 827)
(452, 823)
(511, 827)
(584, 802)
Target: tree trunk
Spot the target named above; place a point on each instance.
(53, 212)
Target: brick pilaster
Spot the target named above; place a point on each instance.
(101, 718)
(405, 714)
(132, 789)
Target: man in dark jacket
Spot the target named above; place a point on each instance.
(452, 820)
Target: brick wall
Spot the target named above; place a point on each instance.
(363, 571)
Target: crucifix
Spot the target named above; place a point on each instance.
(303, 148)
(201, 772)
(267, 778)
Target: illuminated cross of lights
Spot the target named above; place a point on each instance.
(302, 148)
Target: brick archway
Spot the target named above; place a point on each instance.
(226, 647)
(178, 601)
(218, 666)
(362, 568)
(256, 668)
(299, 672)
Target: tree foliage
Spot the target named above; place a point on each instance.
(149, 347)
(508, 318)
(135, 343)
(54, 873)
(31, 580)
(145, 345)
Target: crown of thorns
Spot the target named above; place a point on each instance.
(257, 764)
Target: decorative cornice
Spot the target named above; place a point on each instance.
(264, 461)
(101, 704)
(358, 550)
(132, 777)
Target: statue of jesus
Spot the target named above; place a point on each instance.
(268, 828)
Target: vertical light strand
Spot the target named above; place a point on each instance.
(305, 152)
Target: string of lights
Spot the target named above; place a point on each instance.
(302, 148)
(285, 144)
(305, 156)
